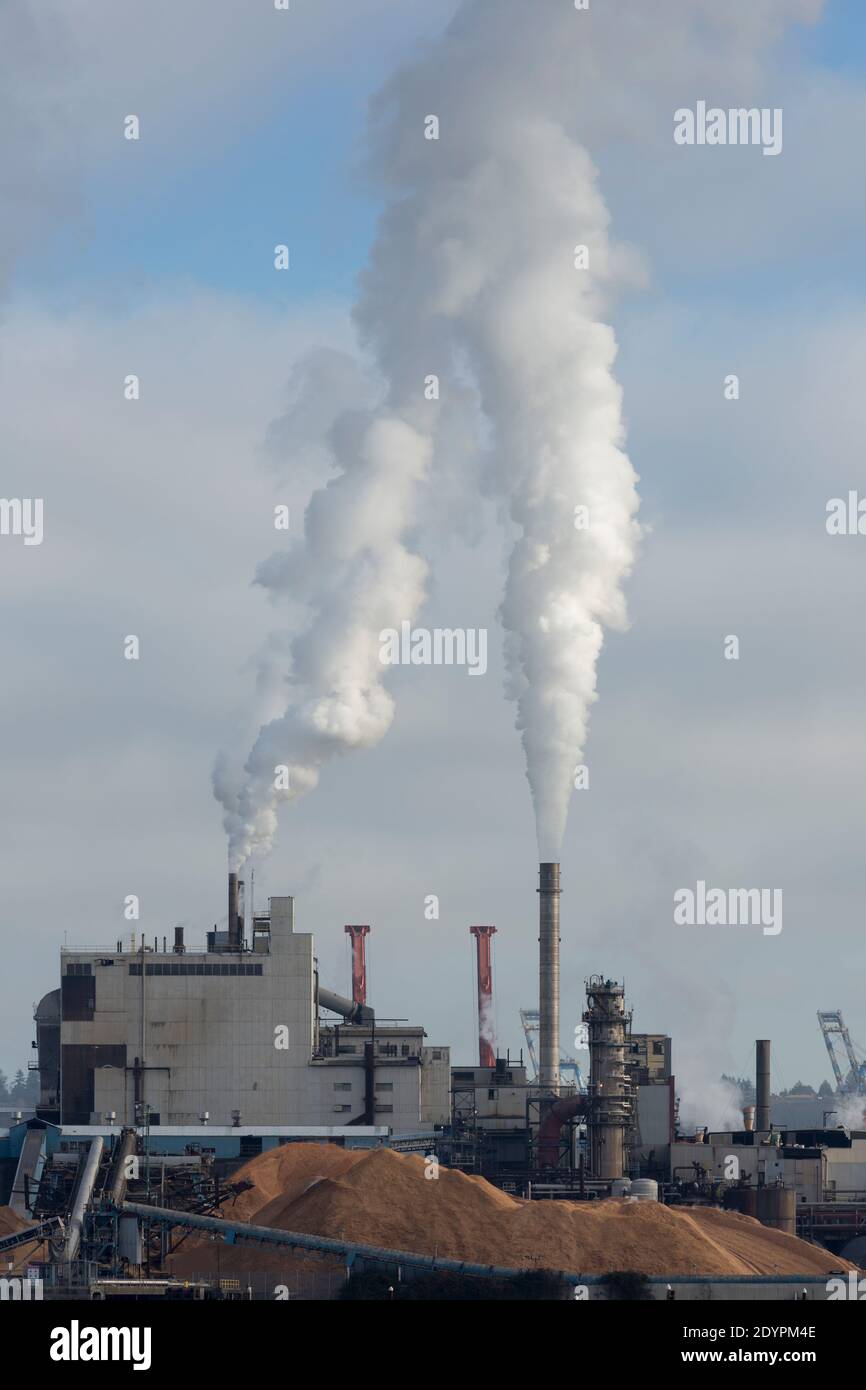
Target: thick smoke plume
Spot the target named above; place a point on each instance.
(358, 577)
(475, 279)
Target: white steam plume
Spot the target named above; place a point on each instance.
(497, 205)
(706, 1100)
(473, 279)
(358, 577)
(850, 1111)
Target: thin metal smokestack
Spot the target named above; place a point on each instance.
(548, 977)
(359, 962)
(486, 1047)
(234, 924)
(762, 1085)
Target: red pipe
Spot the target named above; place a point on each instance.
(359, 963)
(486, 1048)
(551, 1127)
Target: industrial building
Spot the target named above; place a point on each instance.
(194, 1060)
(232, 1034)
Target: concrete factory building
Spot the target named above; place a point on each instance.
(226, 1036)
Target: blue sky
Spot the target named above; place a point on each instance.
(291, 180)
(214, 216)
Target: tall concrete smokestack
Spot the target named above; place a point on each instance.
(234, 922)
(548, 977)
(486, 1048)
(762, 1085)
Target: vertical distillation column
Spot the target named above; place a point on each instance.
(609, 1087)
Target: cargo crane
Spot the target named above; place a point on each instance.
(833, 1026)
(529, 1019)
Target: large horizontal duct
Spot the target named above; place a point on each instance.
(350, 1011)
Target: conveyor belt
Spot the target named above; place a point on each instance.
(29, 1167)
(44, 1231)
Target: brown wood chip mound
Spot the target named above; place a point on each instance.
(10, 1224)
(379, 1197)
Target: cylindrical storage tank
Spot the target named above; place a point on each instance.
(620, 1187)
(743, 1200)
(777, 1207)
(644, 1190)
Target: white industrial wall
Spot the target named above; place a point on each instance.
(653, 1116)
(435, 1099)
(215, 1036)
(845, 1169)
(763, 1163)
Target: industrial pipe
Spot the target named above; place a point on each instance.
(368, 1114)
(762, 1086)
(233, 1231)
(548, 977)
(551, 1128)
(125, 1147)
(350, 1011)
(486, 1048)
(83, 1191)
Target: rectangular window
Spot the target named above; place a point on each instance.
(181, 968)
(77, 999)
(342, 1085)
